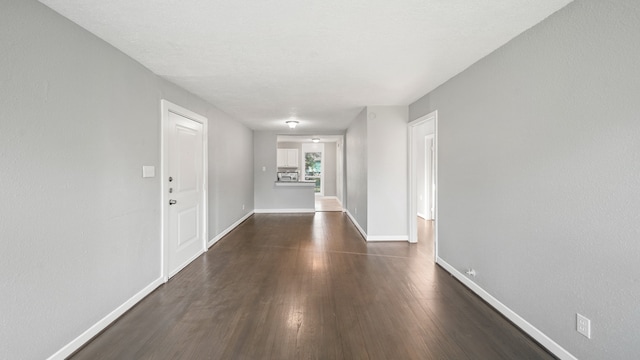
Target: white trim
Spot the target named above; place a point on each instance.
(388, 238)
(538, 335)
(283, 211)
(435, 184)
(432, 187)
(102, 324)
(340, 186)
(165, 107)
(205, 182)
(422, 216)
(228, 230)
(355, 222)
(413, 206)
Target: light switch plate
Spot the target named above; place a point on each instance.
(148, 171)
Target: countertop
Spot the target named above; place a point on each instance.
(296, 183)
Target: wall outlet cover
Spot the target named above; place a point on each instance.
(583, 325)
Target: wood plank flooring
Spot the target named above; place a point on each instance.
(324, 203)
(307, 286)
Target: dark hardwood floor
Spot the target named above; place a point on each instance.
(307, 286)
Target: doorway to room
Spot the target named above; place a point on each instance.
(426, 180)
(330, 179)
(423, 179)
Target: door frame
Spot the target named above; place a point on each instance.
(430, 187)
(167, 107)
(413, 192)
(340, 172)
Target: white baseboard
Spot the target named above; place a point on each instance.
(538, 335)
(375, 238)
(228, 230)
(94, 330)
(388, 238)
(283, 211)
(355, 222)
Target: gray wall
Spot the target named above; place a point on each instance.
(356, 165)
(80, 226)
(539, 175)
(340, 171)
(376, 176)
(265, 156)
(387, 172)
(330, 169)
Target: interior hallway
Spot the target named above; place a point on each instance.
(306, 286)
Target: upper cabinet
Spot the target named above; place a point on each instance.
(288, 158)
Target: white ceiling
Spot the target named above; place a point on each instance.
(321, 61)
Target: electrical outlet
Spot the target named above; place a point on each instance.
(583, 325)
(471, 272)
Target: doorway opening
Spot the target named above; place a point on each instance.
(330, 177)
(313, 165)
(426, 184)
(423, 176)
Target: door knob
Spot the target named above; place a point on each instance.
(172, 202)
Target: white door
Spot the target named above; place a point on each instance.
(185, 190)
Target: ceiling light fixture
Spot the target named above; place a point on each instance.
(316, 140)
(292, 123)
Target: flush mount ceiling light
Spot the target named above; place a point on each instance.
(315, 140)
(292, 123)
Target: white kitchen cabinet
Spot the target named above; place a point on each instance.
(288, 158)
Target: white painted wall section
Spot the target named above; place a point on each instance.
(356, 174)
